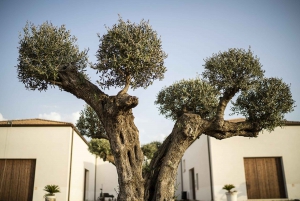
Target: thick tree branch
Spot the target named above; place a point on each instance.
(220, 135)
(224, 100)
(76, 83)
(56, 83)
(226, 129)
(127, 85)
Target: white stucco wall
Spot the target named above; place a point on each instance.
(228, 159)
(196, 156)
(82, 160)
(50, 146)
(107, 178)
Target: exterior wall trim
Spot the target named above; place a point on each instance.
(70, 171)
(210, 169)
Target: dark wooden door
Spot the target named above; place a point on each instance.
(16, 179)
(264, 178)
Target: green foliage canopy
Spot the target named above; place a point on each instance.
(43, 51)
(266, 103)
(130, 53)
(232, 69)
(100, 147)
(193, 95)
(150, 149)
(89, 124)
(262, 101)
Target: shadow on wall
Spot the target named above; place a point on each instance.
(240, 189)
(107, 179)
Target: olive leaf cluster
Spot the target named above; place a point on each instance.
(266, 103)
(100, 147)
(193, 95)
(89, 124)
(232, 69)
(43, 50)
(150, 149)
(130, 53)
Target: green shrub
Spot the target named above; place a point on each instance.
(51, 189)
(228, 187)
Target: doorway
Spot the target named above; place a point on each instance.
(86, 184)
(17, 179)
(264, 178)
(192, 184)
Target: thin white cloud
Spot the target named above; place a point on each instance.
(51, 116)
(72, 118)
(2, 118)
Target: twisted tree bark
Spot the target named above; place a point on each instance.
(163, 168)
(115, 113)
(125, 146)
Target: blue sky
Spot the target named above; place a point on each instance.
(190, 32)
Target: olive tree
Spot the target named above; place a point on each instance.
(130, 55)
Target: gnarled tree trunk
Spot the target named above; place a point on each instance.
(125, 146)
(115, 112)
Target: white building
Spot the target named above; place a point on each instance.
(265, 167)
(35, 153)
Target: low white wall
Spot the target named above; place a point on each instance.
(228, 159)
(196, 156)
(107, 178)
(82, 160)
(50, 146)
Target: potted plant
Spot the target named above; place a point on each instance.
(51, 189)
(231, 195)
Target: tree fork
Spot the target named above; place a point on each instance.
(74, 82)
(115, 112)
